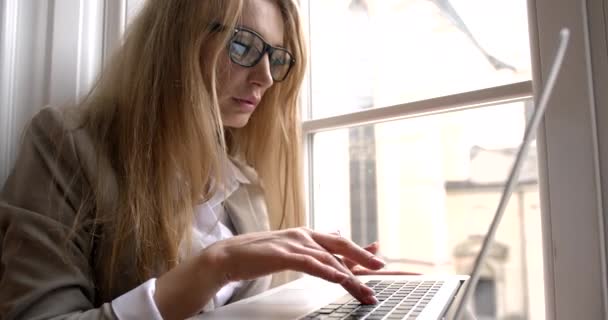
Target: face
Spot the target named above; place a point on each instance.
(240, 89)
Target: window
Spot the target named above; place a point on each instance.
(414, 111)
(386, 53)
(571, 149)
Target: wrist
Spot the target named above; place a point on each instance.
(186, 289)
(212, 267)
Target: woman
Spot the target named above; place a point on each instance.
(156, 196)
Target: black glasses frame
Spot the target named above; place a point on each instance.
(266, 49)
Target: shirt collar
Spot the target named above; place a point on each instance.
(235, 173)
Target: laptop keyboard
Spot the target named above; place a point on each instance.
(397, 299)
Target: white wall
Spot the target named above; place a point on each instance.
(23, 70)
(50, 53)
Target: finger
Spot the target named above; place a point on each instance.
(309, 264)
(348, 249)
(347, 262)
(323, 256)
(367, 272)
(355, 287)
(371, 248)
(304, 239)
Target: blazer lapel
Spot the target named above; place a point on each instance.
(247, 210)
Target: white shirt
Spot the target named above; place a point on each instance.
(207, 229)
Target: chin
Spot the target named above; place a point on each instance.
(236, 121)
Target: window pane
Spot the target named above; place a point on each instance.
(427, 189)
(374, 53)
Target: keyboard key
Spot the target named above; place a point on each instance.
(396, 300)
(317, 317)
(401, 312)
(338, 315)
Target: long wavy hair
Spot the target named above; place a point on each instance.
(154, 116)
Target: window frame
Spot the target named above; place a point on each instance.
(572, 158)
(580, 148)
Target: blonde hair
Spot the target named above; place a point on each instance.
(155, 116)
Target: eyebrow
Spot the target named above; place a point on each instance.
(282, 46)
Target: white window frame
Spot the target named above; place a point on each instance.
(573, 158)
(572, 146)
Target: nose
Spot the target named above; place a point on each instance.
(260, 73)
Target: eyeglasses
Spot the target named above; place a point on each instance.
(246, 48)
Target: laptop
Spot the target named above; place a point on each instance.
(400, 297)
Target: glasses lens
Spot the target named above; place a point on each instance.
(280, 63)
(246, 48)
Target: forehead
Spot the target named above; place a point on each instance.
(264, 17)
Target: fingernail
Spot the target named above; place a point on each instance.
(371, 300)
(378, 261)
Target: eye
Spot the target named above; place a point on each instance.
(279, 59)
(239, 49)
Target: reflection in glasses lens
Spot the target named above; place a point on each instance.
(247, 49)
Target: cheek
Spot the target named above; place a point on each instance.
(223, 74)
(231, 79)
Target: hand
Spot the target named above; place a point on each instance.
(253, 255)
(186, 289)
(359, 270)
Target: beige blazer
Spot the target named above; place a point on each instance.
(42, 277)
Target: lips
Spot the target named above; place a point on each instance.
(251, 100)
